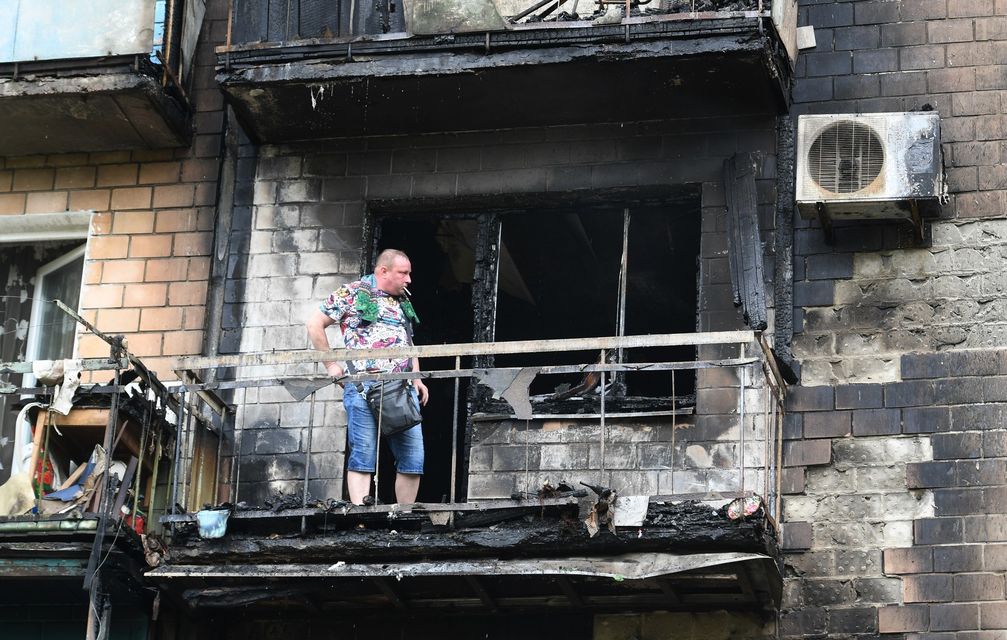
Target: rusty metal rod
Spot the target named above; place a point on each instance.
(741, 421)
(307, 447)
(171, 74)
(601, 429)
(180, 417)
(153, 477)
(166, 45)
(454, 431)
(674, 428)
(230, 22)
(307, 459)
(530, 10)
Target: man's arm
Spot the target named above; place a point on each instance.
(421, 388)
(316, 325)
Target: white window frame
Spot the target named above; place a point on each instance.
(42, 227)
(32, 344)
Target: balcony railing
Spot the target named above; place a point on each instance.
(288, 20)
(725, 440)
(292, 21)
(104, 461)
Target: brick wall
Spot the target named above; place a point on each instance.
(304, 239)
(903, 531)
(641, 457)
(895, 528)
(870, 297)
(147, 261)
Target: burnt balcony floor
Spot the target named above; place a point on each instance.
(538, 75)
(86, 106)
(481, 557)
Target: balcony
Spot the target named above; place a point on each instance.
(304, 70)
(693, 523)
(105, 75)
(76, 510)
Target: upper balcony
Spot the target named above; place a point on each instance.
(94, 76)
(304, 69)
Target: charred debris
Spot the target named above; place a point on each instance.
(518, 528)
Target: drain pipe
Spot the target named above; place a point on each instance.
(221, 240)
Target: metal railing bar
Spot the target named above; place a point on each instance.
(468, 349)
(467, 373)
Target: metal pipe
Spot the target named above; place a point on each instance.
(532, 9)
(601, 475)
(527, 459)
(237, 457)
(43, 455)
(178, 451)
(154, 474)
(168, 38)
(139, 466)
(92, 579)
(286, 27)
(377, 446)
(620, 320)
(741, 422)
(190, 497)
(765, 437)
(307, 459)
(674, 428)
(216, 463)
(307, 451)
(454, 432)
(230, 23)
(778, 409)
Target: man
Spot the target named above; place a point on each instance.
(374, 313)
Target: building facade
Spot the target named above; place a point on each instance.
(625, 171)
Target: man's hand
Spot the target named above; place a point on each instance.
(334, 370)
(421, 390)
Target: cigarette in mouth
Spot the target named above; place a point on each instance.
(408, 292)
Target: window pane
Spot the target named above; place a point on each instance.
(55, 328)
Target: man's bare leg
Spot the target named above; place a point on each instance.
(359, 484)
(407, 485)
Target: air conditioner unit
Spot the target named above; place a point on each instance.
(869, 166)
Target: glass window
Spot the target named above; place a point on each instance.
(51, 332)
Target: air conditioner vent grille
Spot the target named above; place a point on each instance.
(846, 157)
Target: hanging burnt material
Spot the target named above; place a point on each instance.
(744, 243)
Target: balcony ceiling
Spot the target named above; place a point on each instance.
(626, 582)
(526, 78)
(100, 111)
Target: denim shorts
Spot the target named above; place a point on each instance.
(362, 429)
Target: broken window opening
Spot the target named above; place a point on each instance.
(567, 282)
(545, 273)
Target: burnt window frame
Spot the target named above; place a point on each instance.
(489, 212)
